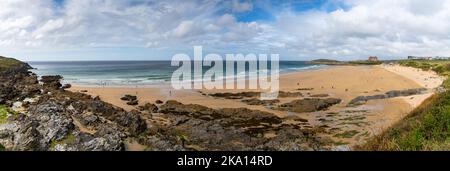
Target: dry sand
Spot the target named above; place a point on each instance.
(344, 82)
(427, 79)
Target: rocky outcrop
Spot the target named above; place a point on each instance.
(128, 97)
(319, 95)
(149, 107)
(284, 94)
(255, 101)
(16, 82)
(51, 82)
(390, 94)
(131, 100)
(196, 127)
(49, 118)
(239, 95)
(243, 95)
(49, 126)
(66, 86)
(308, 105)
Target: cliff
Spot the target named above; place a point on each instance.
(12, 65)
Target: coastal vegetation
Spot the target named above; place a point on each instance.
(6, 63)
(365, 62)
(326, 62)
(4, 113)
(425, 128)
(335, 62)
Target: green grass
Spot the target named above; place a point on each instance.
(6, 63)
(441, 67)
(426, 128)
(4, 111)
(338, 143)
(69, 139)
(3, 118)
(365, 62)
(347, 134)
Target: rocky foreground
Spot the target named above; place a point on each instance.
(45, 117)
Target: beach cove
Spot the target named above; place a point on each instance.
(345, 124)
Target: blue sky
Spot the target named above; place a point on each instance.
(156, 30)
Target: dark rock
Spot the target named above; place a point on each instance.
(97, 98)
(128, 98)
(89, 120)
(159, 102)
(177, 108)
(133, 102)
(283, 94)
(290, 139)
(105, 139)
(66, 86)
(309, 105)
(240, 95)
(54, 123)
(132, 121)
(319, 95)
(255, 101)
(78, 107)
(100, 107)
(149, 107)
(409, 92)
(51, 82)
(47, 122)
(305, 89)
(390, 94)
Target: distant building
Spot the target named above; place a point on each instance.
(420, 58)
(373, 59)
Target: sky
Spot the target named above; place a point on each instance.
(58, 30)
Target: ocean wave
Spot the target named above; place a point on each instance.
(152, 76)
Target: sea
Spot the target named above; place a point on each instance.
(132, 73)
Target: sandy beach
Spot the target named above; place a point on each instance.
(343, 82)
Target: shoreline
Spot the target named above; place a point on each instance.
(138, 78)
(162, 83)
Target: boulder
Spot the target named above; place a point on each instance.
(132, 121)
(51, 82)
(66, 86)
(133, 102)
(128, 98)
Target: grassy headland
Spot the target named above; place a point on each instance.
(425, 128)
(335, 62)
(7, 63)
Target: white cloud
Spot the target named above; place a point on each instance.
(388, 28)
(239, 6)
